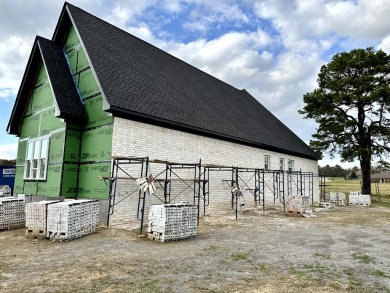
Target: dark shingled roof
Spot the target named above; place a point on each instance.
(143, 82)
(65, 92)
(66, 95)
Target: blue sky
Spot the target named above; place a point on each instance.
(272, 48)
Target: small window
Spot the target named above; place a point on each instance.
(36, 159)
(267, 162)
(281, 164)
(290, 165)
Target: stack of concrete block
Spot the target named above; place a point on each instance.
(5, 190)
(357, 199)
(12, 214)
(297, 204)
(338, 198)
(169, 222)
(36, 217)
(72, 219)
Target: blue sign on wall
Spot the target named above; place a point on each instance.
(7, 176)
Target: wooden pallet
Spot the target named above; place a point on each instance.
(294, 214)
(35, 234)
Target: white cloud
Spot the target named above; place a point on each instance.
(209, 15)
(385, 44)
(8, 151)
(309, 26)
(14, 52)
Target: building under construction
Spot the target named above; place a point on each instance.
(98, 109)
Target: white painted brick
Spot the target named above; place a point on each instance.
(138, 139)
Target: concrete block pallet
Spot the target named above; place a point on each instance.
(72, 219)
(357, 199)
(12, 213)
(296, 205)
(36, 217)
(337, 198)
(169, 222)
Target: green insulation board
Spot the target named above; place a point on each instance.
(51, 187)
(49, 122)
(30, 127)
(42, 94)
(77, 59)
(96, 144)
(72, 40)
(19, 181)
(90, 186)
(39, 118)
(95, 115)
(69, 181)
(72, 145)
(87, 84)
(21, 152)
(56, 147)
(80, 66)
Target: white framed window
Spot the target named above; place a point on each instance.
(281, 164)
(267, 162)
(290, 165)
(36, 158)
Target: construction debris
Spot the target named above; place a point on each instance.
(146, 183)
(5, 190)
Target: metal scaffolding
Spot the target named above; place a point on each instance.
(196, 177)
(170, 173)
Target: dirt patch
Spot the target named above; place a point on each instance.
(345, 249)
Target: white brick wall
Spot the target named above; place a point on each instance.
(138, 139)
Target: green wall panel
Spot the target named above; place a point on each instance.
(96, 117)
(30, 127)
(89, 184)
(19, 182)
(87, 84)
(69, 181)
(71, 40)
(56, 147)
(30, 187)
(21, 152)
(42, 76)
(51, 187)
(96, 144)
(77, 60)
(49, 122)
(42, 98)
(72, 147)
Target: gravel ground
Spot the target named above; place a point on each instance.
(345, 249)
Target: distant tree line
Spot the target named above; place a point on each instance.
(7, 162)
(350, 173)
(337, 171)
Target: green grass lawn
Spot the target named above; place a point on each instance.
(339, 184)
